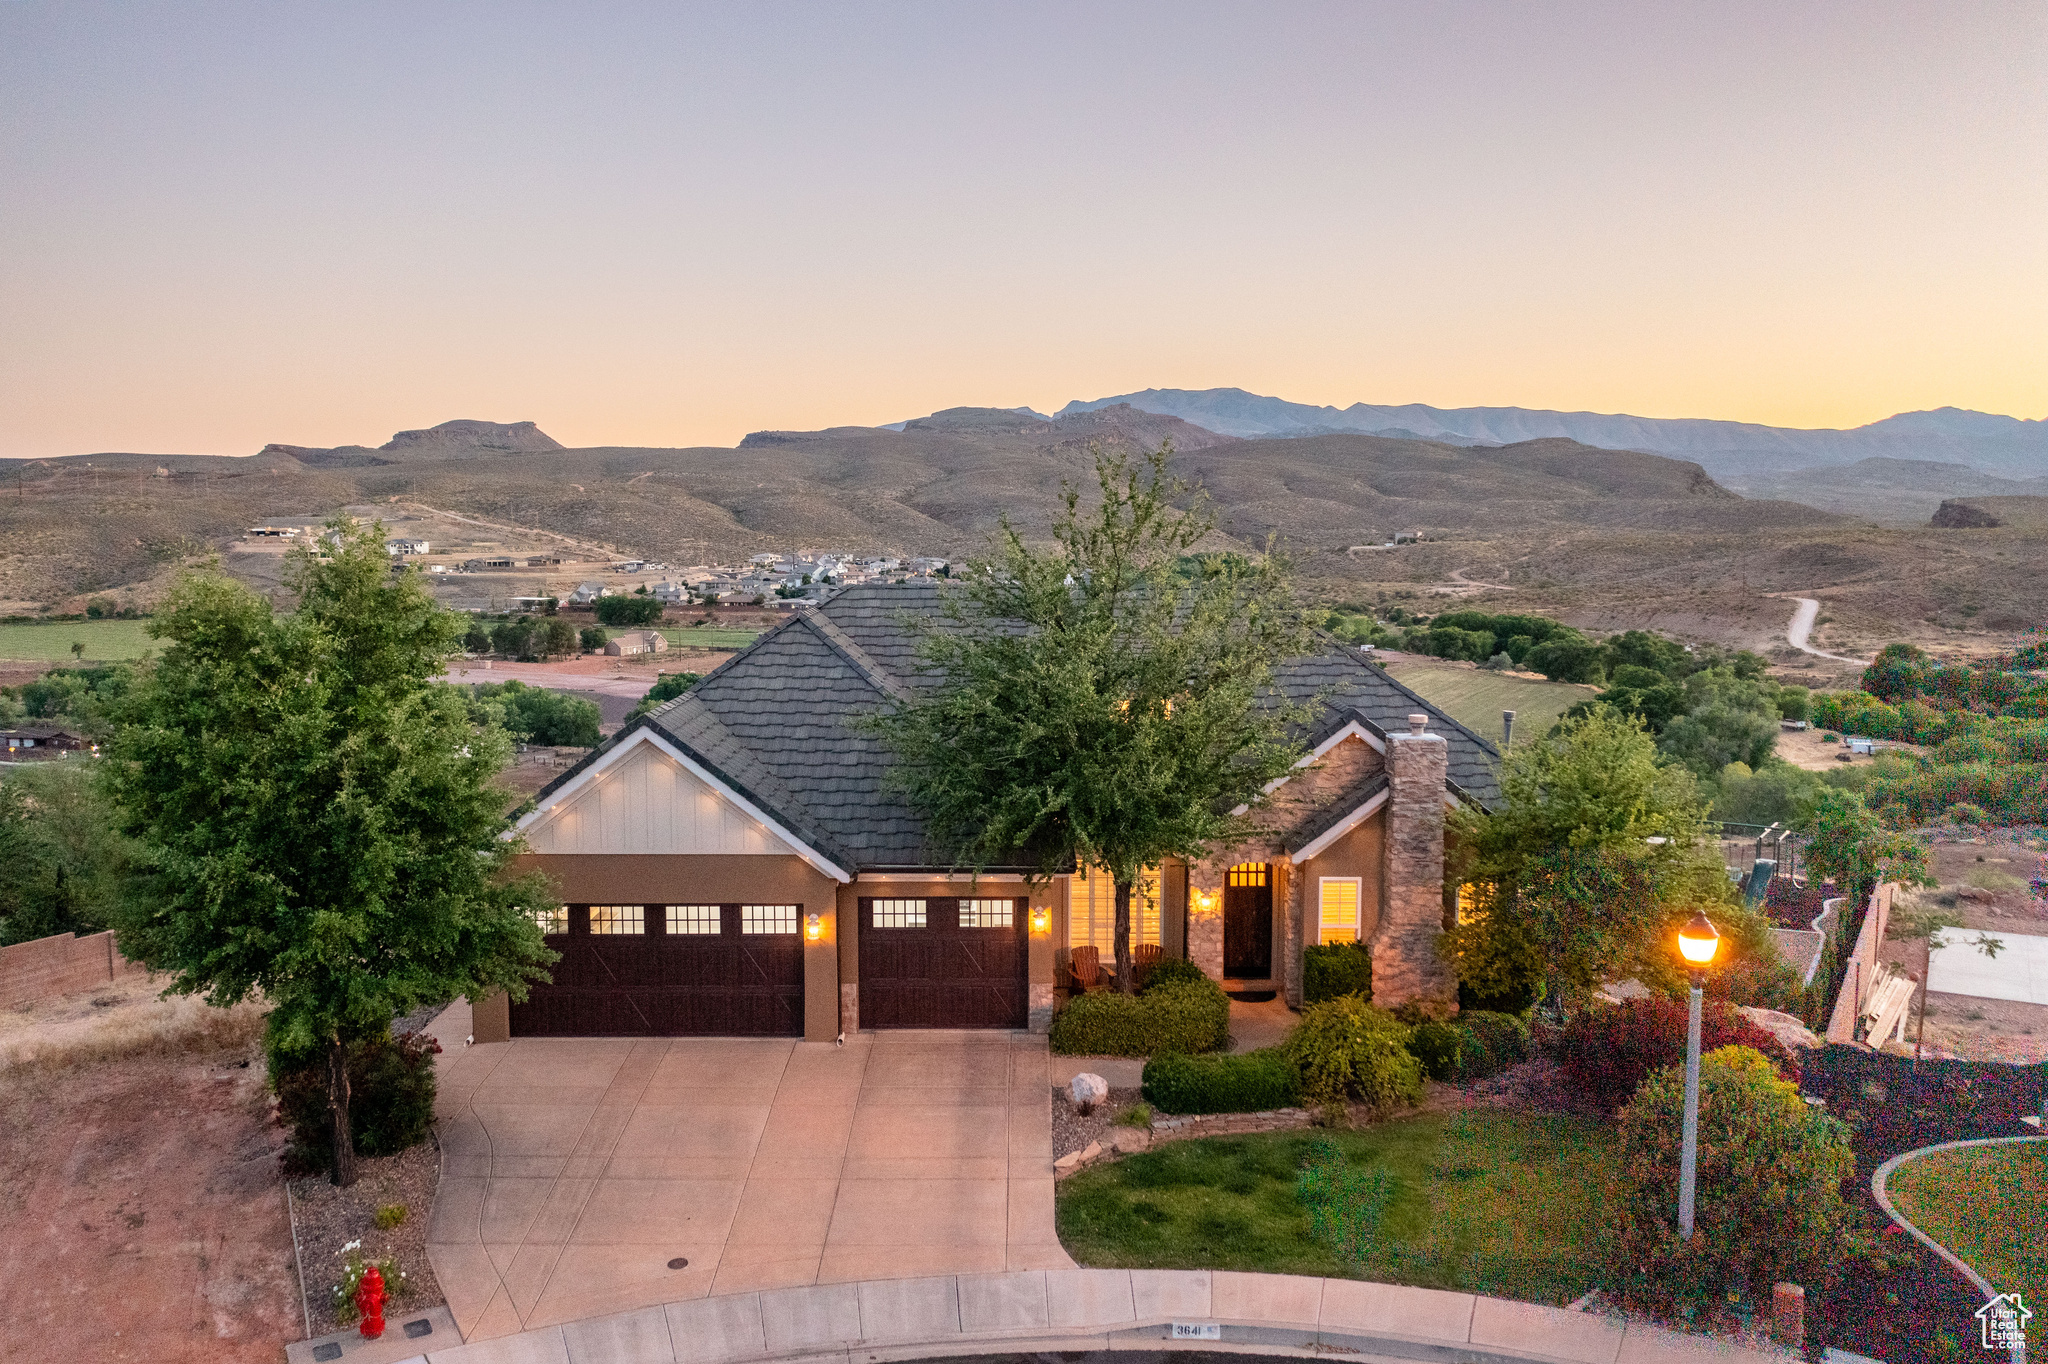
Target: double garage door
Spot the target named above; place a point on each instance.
(737, 970)
(671, 971)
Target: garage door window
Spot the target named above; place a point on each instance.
(899, 913)
(618, 919)
(687, 919)
(987, 913)
(768, 918)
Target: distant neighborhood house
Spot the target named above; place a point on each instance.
(40, 741)
(396, 547)
(633, 643)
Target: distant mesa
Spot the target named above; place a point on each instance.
(449, 440)
(1956, 514)
(463, 437)
(1003, 419)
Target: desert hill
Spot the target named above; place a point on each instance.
(2005, 445)
(1605, 537)
(1901, 492)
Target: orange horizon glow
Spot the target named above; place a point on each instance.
(669, 226)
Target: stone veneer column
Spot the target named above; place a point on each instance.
(1405, 964)
(1205, 915)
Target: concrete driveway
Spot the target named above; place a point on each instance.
(574, 1172)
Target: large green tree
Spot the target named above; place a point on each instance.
(317, 813)
(1104, 699)
(1590, 852)
(64, 866)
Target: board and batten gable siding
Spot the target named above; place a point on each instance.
(650, 803)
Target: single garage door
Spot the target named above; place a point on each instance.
(942, 963)
(671, 971)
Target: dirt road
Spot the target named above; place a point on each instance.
(1802, 625)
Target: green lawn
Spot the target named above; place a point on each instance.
(1987, 1204)
(709, 637)
(1475, 698)
(104, 640)
(1491, 1202)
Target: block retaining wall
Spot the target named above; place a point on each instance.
(59, 965)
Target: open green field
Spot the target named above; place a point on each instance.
(104, 640)
(1475, 698)
(1987, 1204)
(708, 637)
(1510, 1204)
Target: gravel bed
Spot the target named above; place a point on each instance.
(328, 1218)
(1072, 1132)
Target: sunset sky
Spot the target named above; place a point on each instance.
(227, 224)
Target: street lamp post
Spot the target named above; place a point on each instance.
(1697, 943)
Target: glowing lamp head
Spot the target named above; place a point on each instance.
(1205, 902)
(814, 927)
(1698, 941)
(1041, 918)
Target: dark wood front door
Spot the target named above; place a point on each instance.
(657, 983)
(1248, 922)
(942, 963)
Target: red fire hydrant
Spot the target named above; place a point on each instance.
(370, 1302)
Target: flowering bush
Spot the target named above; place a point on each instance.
(1608, 1052)
(1769, 1204)
(354, 1266)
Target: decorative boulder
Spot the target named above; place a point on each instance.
(1087, 1090)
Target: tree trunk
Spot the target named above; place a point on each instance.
(1123, 939)
(344, 1145)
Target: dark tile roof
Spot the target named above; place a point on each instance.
(776, 722)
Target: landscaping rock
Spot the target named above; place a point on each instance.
(1126, 1140)
(1782, 1026)
(1087, 1091)
(1068, 1163)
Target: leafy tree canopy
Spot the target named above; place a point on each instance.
(317, 814)
(1100, 699)
(1590, 851)
(665, 689)
(535, 715)
(628, 610)
(64, 866)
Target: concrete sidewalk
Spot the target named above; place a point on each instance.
(1098, 1309)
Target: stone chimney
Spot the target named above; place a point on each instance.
(1405, 964)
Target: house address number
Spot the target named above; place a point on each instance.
(1197, 1330)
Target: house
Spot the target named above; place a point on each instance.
(273, 532)
(397, 547)
(668, 592)
(495, 561)
(633, 643)
(537, 560)
(735, 861)
(588, 592)
(1407, 537)
(42, 741)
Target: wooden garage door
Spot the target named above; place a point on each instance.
(672, 971)
(942, 963)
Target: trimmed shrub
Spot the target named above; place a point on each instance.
(1329, 970)
(1502, 1038)
(1769, 1193)
(391, 1099)
(1345, 1048)
(1608, 1052)
(1173, 971)
(1446, 1050)
(1184, 1016)
(1249, 1083)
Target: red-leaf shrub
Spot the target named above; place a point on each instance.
(1607, 1052)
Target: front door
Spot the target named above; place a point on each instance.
(1248, 922)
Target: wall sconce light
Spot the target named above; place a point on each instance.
(1205, 901)
(814, 928)
(1041, 919)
